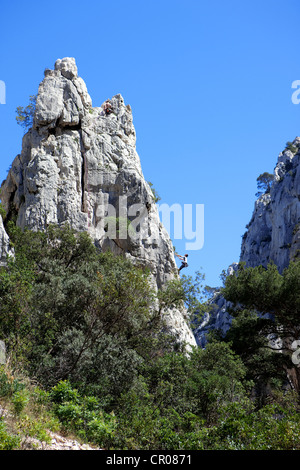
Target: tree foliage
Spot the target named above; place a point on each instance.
(275, 298)
(58, 290)
(90, 329)
(25, 114)
(290, 146)
(264, 183)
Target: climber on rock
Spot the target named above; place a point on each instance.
(107, 107)
(184, 263)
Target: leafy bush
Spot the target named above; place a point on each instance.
(19, 401)
(7, 441)
(63, 392)
(82, 415)
(9, 385)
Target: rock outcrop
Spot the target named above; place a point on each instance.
(79, 165)
(273, 233)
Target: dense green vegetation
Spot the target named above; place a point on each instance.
(277, 299)
(89, 354)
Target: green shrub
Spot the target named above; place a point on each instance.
(101, 429)
(8, 384)
(63, 392)
(19, 401)
(70, 414)
(83, 415)
(7, 441)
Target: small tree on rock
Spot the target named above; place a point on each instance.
(25, 115)
(264, 183)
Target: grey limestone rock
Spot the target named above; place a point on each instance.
(79, 165)
(5, 248)
(2, 352)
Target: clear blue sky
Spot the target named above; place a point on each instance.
(209, 83)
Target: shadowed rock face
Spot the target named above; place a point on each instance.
(79, 165)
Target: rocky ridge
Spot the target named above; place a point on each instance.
(79, 165)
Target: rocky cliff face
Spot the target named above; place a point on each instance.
(274, 230)
(79, 166)
(273, 233)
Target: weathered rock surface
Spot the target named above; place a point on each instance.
(273, 233)
(58, 442)
(4, 244)
(79, 165)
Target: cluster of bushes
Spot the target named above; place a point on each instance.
(88, 328)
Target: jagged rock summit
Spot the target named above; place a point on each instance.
(79, 165)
